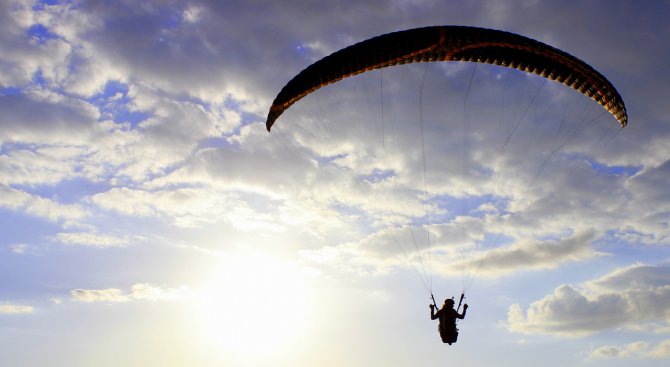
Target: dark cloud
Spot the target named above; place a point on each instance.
(527, 254)
(39, 118)
(649, 187)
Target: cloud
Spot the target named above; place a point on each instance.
(24, 54)
(332, 160)
(99, 295)
(530, 255)
(41, 207)
(201, 101)
(453, 251)
(569, 312)
(538, 194)
(608, 351)
(634, 297)
(192, 14)
(662, 350)
(12, 309)
(636, 276)
(201, 136)
(123, 114)
(650, 199)
(18, 248)
(640, 349)
(139, 291)
(189, 207)
(91, 239)
(43, 117)
(47, 166)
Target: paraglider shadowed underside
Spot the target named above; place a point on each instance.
(452, 43)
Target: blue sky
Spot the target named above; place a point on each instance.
(149, 219)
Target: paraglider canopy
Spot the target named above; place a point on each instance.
(452, 43)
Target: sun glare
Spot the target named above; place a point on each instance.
(254, 306)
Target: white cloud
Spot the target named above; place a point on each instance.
(144, 291)
(41, 207)
(640, 349)
(569, 312)
(91, 239)
(22, 54)
(661, 350)
(99, 295)
(18, 248)
(186, 207)
(636, 297)
(193, 13)
(139, 291)
(9, 308)
(82, 72)
(44, 166)
(608, 351)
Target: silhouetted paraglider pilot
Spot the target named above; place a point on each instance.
(448, 316)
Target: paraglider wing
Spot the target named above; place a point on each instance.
(452, 43)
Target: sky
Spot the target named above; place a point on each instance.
(148, 218)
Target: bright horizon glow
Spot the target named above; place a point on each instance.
(255, 306)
